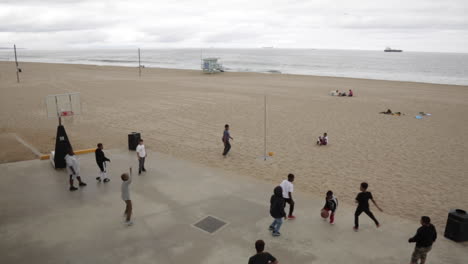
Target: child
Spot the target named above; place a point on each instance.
(141, 155)
(424, 238)
(331, 203)
(288, 188)
(323, 140)
(126, 181)
(101, 162)
(363, 206)
(262, 257)
(277, 204)
(73, 168)
(226, 138)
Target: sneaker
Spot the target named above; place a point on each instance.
(271, 228)
(128, 223)
(73, 188)
(98, 179)
(144, 170)
(82, 184)
(332, 223)
(139, 172)
(291, 217)
(106, 180)
(355, 229)
(276, 234)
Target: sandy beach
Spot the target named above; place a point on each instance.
(414, 167)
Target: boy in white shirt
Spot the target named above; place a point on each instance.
(141, 155)
(73, 169)
(126, 181)
(288, 188)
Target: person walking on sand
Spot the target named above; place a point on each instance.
(362, 199)
(262, 257)
(424, 238)
(101, 162)
(141, 155)
(226, 138)
(125, 188)
(277, 204)
(73, 169)
(288, 188)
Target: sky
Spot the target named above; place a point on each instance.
(411, 25)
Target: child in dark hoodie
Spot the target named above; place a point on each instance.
(277, 204)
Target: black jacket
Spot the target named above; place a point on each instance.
(331, 204)
(425, 236)
(100, 157)
(277, 203)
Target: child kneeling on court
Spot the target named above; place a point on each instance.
(331, 203)
(277, 204)
(126, 181)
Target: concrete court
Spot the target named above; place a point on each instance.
(42, 222)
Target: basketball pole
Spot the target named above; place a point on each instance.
(139, 63)
(16, 61)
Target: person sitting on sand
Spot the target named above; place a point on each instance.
(322, 140)
(350, 94)
(388, 112)
(334, 93)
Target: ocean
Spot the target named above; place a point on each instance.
(443, 68)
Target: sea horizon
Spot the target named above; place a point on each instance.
(409, 66)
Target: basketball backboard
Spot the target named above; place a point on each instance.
(63, 105)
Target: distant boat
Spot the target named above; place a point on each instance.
(388, 49)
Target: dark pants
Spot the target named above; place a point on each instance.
(227, 147)
(141, 165)
(359, 211)
(291, 205)
(102, 166)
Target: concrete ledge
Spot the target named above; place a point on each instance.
(78, 152)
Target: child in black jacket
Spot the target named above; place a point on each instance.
(277, 204)
(101, 162)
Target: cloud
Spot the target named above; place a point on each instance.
(362, 24)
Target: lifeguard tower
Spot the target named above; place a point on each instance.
(211, 65)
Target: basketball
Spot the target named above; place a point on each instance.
(271, 154)
(324, 214)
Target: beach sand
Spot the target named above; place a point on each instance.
(414, 167)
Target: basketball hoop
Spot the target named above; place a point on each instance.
(63, 105)
(66, 113)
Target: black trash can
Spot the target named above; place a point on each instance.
(457, 226)
(133, 139)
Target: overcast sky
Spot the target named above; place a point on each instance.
(417, 25)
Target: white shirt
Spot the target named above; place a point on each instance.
(125, 190)
(73, 162)
(287, 187)
(140, 149)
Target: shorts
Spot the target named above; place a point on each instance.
(420, 253)
(73, 176)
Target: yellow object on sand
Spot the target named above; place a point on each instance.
(271, 154)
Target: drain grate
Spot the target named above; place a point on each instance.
(210, 224)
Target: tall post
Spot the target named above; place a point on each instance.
(17, 68)
(265, 131)
(139, 63)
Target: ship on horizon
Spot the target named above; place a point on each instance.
(388, 49)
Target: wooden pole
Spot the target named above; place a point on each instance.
(17, 68)
(265, 130)
(139, 63)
